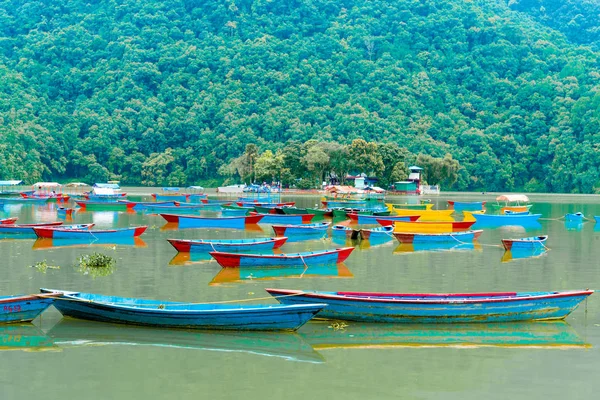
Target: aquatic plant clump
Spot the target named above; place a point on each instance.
(96, 264)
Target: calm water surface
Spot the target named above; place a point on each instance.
(64, 357)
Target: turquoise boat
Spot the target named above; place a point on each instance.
(319, 228)
(305, 259)
(466, 205)
(575, 217)
(483, 220)
(527, 243)
(438, 307)
(375, 233)
(169, 314)
(345, 231)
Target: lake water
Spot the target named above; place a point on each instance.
(57, 357)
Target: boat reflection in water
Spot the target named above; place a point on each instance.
(48, 243)
(436, 246)
(188, 258)
(517, 254)
(243, 274)
(573, 225)
(331, 335)
(26, 337)
(71, 333)
(528, 227)
(377, 241)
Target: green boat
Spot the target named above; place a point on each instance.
(294, 210)
(320, 212)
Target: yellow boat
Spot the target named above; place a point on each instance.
(427, 215)
(431, 227)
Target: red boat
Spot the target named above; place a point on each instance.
(8, 221)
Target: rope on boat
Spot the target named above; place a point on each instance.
(481, 244)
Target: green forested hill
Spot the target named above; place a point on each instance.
(170, 92)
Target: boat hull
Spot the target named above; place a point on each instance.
(288, 219)
(430, 308)
(506, 219)
(184, 315)
(57, 233)
(376, 233)
(306, 229)
(191, 221)
(233, 260)
(22, 308)
(235, 245)
(531, 243)
(466, 206)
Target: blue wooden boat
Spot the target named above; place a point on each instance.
(466, 205)
(23, 200)
(192, 221)
(374, 233)
(511, 212)
(88, 241)
(575, 217)
(203, 206)
(319, 228)
(532, 242)
(344, 231)
(177, 209)
(507, 219)
(24, 228)
(23, 308)
(344, 204)
(79, 233)
(169, 314)
(450, 237)
(287, 219)
(244, 274)
(232, 245)
(438, 308)
(235, 260)
(234, 213)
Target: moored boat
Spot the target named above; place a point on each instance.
(25, 228)
(429, 226)
(382, 231)
(85, 232)
(438, 308)
(8, 221)
(24, 308)
(346, 231)
(532, 242)
(192, 221)
(287, 219)
(406, 206)
(320, 212)
(466, 205)
(231, 245)
(574, 217)
(234, 260)
(504, 219)
(170, 314)
(450, 237)
(106, 205)
(303, 229)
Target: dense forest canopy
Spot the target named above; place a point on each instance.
(504, 94)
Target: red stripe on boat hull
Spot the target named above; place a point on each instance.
(180, 245)
(139, 230)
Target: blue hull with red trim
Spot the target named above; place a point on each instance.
(438, 308)
(235, 260)
(192, 221)
(57, 233)
(285, 219)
